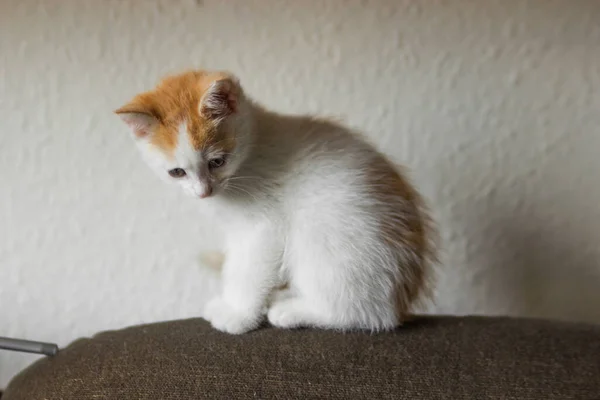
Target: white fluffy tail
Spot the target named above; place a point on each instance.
(213, 260)
(210, 264)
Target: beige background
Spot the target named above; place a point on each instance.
(494, 105)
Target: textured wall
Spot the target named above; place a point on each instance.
(490, 103)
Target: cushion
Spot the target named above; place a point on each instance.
(428, 358)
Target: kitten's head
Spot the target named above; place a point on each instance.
(192, 129)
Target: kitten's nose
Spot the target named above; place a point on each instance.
(206, 192)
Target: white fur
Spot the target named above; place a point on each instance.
(196, 182)
(294, 202)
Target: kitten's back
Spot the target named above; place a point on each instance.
(341, 191)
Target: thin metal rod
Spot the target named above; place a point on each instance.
(28, 346)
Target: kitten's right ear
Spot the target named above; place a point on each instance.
(141, 122)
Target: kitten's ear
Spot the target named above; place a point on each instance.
(221, 98)
(141, 122)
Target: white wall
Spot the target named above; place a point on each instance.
(490, 103)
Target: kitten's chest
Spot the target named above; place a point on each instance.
(231, 212)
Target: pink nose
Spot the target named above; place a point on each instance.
(207, 192)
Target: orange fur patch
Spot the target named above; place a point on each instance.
(176, 100)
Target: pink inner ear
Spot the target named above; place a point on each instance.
(140, 124)
(220, 100)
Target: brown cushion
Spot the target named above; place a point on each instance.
(430, 358)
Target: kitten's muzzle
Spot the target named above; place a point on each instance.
(207, 192)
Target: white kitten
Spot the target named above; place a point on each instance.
(322, 230)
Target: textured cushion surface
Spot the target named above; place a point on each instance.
(429, 358)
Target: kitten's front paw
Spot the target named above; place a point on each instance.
(225, 318)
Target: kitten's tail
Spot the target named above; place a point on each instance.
(212, 260)
(210, 264)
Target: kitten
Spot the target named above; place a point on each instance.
(322, 230)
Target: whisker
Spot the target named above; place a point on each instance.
(239, 178)
(234, 187)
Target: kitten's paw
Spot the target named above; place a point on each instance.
(225, 318)
(289, 313)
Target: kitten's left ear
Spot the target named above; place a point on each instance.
(221, 99)
(140, 122)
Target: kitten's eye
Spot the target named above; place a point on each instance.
(216, 162)
(177, 173)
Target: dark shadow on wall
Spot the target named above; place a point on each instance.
(520, 217)
(546, 272)
(526, 247)
(531, 240)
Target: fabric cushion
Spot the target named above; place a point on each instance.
(429, 358)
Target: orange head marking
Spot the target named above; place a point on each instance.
(182, 118)
(198, 99)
